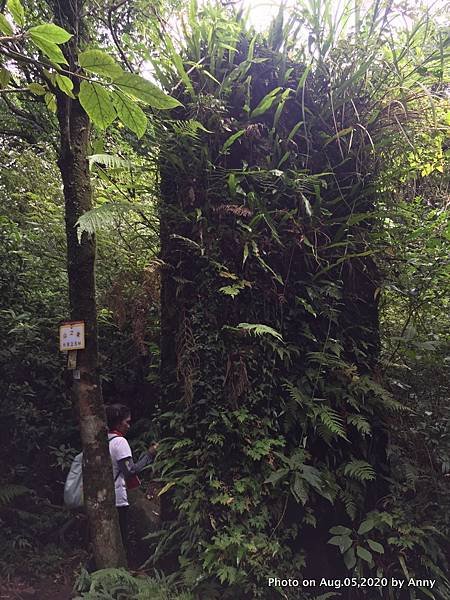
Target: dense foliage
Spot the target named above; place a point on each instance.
(269, 229)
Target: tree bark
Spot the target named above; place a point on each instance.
(98, 482)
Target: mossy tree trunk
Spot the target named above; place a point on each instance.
(273, 405)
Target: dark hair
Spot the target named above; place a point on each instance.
(115, 413)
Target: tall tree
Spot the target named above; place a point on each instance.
(74, 129)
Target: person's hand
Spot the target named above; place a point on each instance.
(153, 448)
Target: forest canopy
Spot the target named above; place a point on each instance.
(253, 226)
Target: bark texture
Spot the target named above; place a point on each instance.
(87, 394)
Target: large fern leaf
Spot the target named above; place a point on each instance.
(349, 503)
(110, 161)
(260, 329)
(10, 491)
(333, 421)
(188, 128)
(105, 216)
(296, 394)
(359, 470)
(360, 422)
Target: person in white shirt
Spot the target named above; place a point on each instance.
(124, 468)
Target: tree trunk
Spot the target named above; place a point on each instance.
(98, 482)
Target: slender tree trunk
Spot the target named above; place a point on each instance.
(98, 483)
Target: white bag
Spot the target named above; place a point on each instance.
(73, 488)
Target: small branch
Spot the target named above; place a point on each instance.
(18, 134)
(23, 58)
(111, 10)
(11, 38)
(41, 64)
(14, 90)
(23, 115)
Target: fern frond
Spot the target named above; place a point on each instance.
(112, 577)
(324, 433)
(349, 503)
(332, 420)
(260, 329)
(110, 161)
(359, 470)
(295, 393)
(360, 423)
(107, 584)
(105, 216)
(188, 128)
(10, 491)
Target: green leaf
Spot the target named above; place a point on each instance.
(16, 9)
(5, 76)
(427, 592)
(50, 49)
(49, 32)
(231, 140)
(343, 541)
(245, 254)
(375, 546)
(338, 135)
(50, 102)
(340, 530)
(312, 476)
(364, 554)
(144, 90)
(401, 560)
(366, 526)
(178, 63)
(232, 183)
(166, 488)
(65, 84)
(96, 101)
(5, 26)
(350, 558)
(231, 290)
(97, 61)
(265, 103)
(277, 475)
(131, 115)
(37, 89)
(299, 490)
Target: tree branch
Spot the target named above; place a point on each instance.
(112, 10)
(14, 90)
(26, 137)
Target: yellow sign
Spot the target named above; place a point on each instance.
(71, 336)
